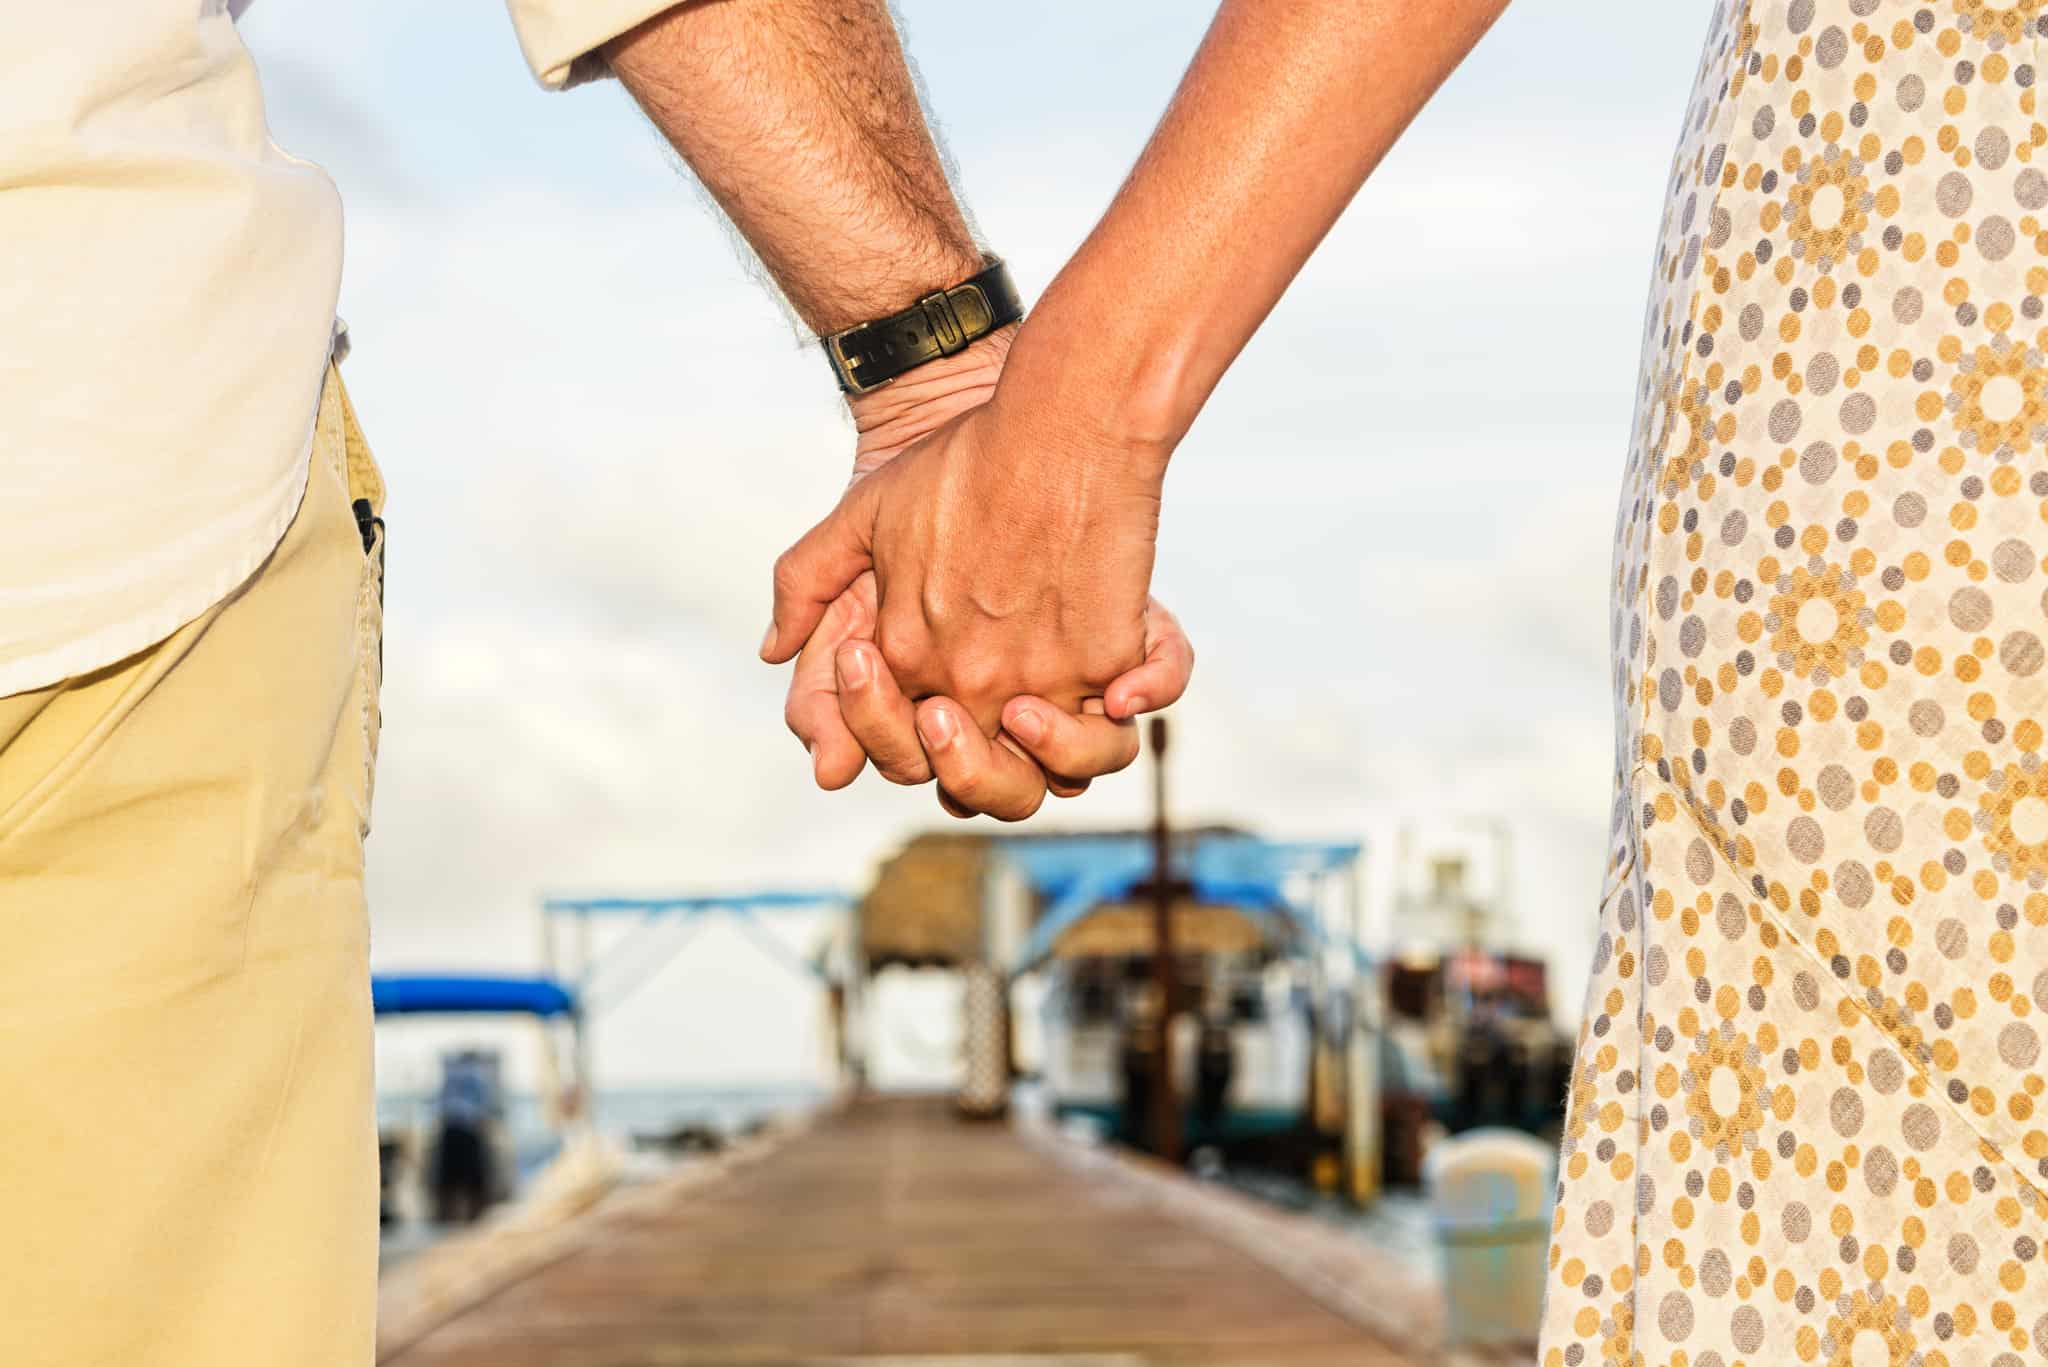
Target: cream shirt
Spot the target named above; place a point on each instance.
(165, 314)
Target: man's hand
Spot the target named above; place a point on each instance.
(1007, 560)
(846, 707)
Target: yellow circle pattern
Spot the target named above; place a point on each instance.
(1807, 1122)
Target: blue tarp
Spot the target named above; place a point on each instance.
(422, 994)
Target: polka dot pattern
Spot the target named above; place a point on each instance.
(1807, 1121)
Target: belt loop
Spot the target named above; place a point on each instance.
(944, 323)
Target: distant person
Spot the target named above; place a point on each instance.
(461, 1175)
(191, 590)
(1807, 1119)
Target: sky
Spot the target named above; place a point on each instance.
(1388, 535)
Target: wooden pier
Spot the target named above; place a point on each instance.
(892, 1233)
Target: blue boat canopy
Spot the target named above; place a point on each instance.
(1075, 874)
(429, 994)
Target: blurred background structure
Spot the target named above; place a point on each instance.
(1388, 539)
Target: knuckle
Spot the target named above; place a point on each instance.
(907, 654)
(1019, 807)
(976, 676)
(903, 772)
(787, 576)
(968, 784)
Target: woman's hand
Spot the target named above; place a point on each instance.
(850, 699)
(847, 709)
(1004, 563)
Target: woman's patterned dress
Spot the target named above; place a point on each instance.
(1807, 1123)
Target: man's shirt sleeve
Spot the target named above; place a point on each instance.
(560, 37)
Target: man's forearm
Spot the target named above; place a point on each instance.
(1288, 106)
(801, 119)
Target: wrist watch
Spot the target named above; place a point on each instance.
(869, 355)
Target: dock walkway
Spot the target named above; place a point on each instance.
(892, 1233)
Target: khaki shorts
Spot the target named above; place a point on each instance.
(188, 1161)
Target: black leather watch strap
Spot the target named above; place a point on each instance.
(940, 324)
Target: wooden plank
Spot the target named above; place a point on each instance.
(894, 1234)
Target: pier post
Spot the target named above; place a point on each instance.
(1166, 1124)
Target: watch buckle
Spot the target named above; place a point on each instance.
(835, 347)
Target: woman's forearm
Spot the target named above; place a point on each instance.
(1287, 108)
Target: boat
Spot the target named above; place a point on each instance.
(1069, 922)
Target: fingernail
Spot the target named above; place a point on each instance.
(936, 725)
(1027, 725)
(853, 669)
(1137, 704)
(768, 641)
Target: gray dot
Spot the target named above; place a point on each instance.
(1962, 1253)
(1766, 119)
(1599, 1218)
(1699, 862)
(1817, 463)
(1716, 1276)
(1805, 840)
(1784, 420)
(1880, 1171)
(1832, 47)
(1993, 147)
(2018, 1045)
(1887, 1073)
(2041, 989)
(1925, 717)
(1909, 510)
(1692, 637)
(1799, 17)
(1845, 1112)
(1921, 1126)
(1952, 194)
(1734, 527)
(1970, 609)
(2012, 561)
(1746, 1328)
(1670, 690)
(1996, 238)
(1906, 305)
(2021, 653)
(1822, 372)
(1730, 917)
(1859, 412)
(2030, 188)
(1912, 91)
(1836, 787)
(1853, 885)
(1674, 1316)
(1952, 938)
(1796, 1223)
(1805, 991)
(1883, 829)
(1656, 965)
